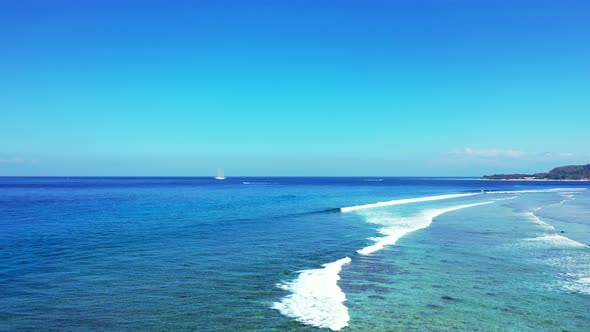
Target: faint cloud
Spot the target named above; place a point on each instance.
(489, 161)
(14, 160)
(556, 155)
(491, 153)
(18, 160)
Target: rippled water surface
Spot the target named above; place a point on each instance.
(280, 254)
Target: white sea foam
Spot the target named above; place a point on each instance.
(403, 226)
(568, 195)
(403, 201)
(538, 221)
(551, 239)
(505, 199)
(556, 240)
(316, 298)
(574, 267)
(537, 191)
(577, 283)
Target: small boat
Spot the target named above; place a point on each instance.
(220, 175)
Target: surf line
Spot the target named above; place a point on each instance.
(447, 196)
(553, 237)
(538, 220)
(317, 300)
(404, 201)
(395, 232)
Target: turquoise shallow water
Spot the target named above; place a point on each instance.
(482, 268)
(206, 255)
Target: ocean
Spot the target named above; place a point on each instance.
(293, 254)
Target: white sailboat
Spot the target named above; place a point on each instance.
(220, 175)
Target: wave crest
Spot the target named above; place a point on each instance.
(404, 226)
(316, 298)
(404, 201)
(556, 240)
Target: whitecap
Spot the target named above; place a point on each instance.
(577, 283)
(556, 240)
(575, 272)
(505, 199)
(529, 191)
(404, 201)
(403, 226)
(316, 298)
(538, 221)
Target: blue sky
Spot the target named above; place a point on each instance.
(293, 87)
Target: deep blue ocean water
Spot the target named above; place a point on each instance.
(206, 255)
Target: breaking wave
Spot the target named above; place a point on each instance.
(556, 240)
(404, 201)
(398, 227)
(316, 298)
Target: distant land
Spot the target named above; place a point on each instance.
(572, 172)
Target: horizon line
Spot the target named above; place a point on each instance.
(238, 176)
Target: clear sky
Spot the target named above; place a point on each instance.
(316, 87)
